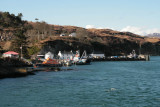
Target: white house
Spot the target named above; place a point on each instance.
(97, 55)
(49, 55)
(66, 55)
(62, 34)
(72, 35)
(11, 54)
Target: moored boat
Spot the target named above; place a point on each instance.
(49, 63)
(83, 60)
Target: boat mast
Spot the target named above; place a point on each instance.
(84, 54)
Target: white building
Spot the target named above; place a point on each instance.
(49, 55)
(72, 35)
(62, 34)
(66, 55)
(97, 55)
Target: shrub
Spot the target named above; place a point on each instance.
(33, 50)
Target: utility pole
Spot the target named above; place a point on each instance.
(21, 51)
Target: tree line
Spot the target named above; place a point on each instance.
(29, 33)
(10, 20)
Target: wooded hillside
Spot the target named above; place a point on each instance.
(39, 35)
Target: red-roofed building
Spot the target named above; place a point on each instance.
(11, 54)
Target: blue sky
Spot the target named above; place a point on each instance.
(137, 16)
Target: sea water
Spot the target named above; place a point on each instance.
(101, 84)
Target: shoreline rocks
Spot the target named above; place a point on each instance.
(11, 72)
(12, 68)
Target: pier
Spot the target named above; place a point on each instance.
(123, 58)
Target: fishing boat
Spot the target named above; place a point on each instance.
(83, 60)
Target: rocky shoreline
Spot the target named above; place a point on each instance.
(13, 72)
(12, 68)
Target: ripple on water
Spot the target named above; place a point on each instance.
(102, 84)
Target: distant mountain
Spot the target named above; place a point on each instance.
(154, 35)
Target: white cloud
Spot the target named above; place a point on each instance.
(90, 26)
(140, 30)
(133, 29)
(155, 30)
(93, 26)
(100, 28)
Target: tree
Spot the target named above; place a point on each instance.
(10, 20)
(20, 15)
(36, 19)
(33, 50)
(20, 42)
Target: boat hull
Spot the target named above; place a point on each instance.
(48, 65)
(86, 62)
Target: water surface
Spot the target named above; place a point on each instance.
(102, 84)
